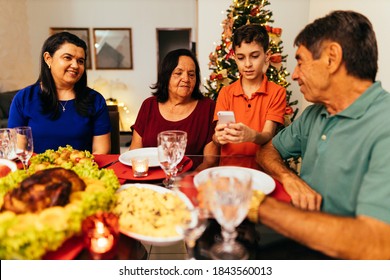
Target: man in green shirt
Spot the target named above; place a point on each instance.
(341, 201)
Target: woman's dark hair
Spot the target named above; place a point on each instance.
(49, 99)
(251, 33)
(169, 63)
(354, 33)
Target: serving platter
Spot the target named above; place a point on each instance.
(150, 239)
(48, 233)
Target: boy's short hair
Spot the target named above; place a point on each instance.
(251, 33)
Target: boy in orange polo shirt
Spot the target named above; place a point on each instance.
(258, 104)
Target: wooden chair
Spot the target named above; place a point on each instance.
(115, 131)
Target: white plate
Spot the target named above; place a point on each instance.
(157, 241)
(150, 153)
(12, 165)
(260, 180)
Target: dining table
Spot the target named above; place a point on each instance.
(261, 241)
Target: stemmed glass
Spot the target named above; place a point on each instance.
(7, 142)
(193, 227)
(171, 147)
(230, 191)
(24, 144)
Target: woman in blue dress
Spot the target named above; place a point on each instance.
(59, 107)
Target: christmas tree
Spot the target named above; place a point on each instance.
(222, 64)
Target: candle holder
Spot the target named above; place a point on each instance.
(140, 166)
(100, 235)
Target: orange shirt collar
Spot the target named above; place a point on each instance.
(261, 90)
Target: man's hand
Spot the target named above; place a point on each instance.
(302, 195)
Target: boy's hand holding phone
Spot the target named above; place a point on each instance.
(224, 119)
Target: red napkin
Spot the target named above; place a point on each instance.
(126, 172)
(155, 173)
(102, 160)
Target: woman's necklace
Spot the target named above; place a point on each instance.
(63, 106)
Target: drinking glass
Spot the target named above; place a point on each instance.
(7, 143)
(193, 227)
(230, 193)
(24, 144)
(171, 146)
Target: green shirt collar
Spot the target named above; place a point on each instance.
(360, 106)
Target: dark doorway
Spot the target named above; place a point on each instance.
(169, 39)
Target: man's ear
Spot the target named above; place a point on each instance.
(335, 56)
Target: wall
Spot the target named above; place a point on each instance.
(25, 24)
(143, 16)
(15, 49)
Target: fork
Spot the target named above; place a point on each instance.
(109, 164)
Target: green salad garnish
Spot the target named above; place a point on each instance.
(32, 235)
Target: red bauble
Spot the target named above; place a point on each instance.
(276, 58)
(289, 110)
(255, 11)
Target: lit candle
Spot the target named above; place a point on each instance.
(99, 227)
(100, 234)
(140, 166)
(102, 241)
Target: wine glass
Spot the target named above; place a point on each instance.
(171, 145)
(7, 142)
(230, 193)
(24, 144)
(193, 227)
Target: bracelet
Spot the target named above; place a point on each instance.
(256, 200)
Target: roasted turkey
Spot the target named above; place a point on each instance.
(45, 188)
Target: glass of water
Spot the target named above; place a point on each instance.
(171, 146)
(193, 227)
(230, 191)
(24, 146)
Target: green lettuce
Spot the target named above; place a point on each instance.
(32, 235)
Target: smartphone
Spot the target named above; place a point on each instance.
(226, 117)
